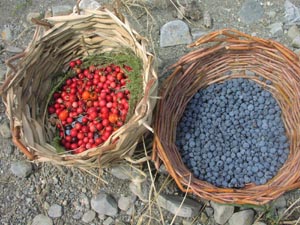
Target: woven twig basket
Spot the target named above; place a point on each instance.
(218, 53)
(28, 85)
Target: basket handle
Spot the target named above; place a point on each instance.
(19, 144)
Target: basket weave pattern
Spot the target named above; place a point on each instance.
(29, 83)
(223, 55)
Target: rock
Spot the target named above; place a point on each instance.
(89, 4)
(108, 221)
(297, 51)
(124, 203)
(131, 210)
(203, 218)
(292, 13)
(33, 15)
(104, 204)
(137, 190)
(293, 32)
(271, 14)
(62, 10)
(88, 216)
(196, 34)
(173, 33)
(276, 28)
(9, 150)
(124, 172)
(207, 20)
(5, 129)
(21, 169)
(245, 217)
(280, 202)
(259, 223)
(209, 211)
(6, 33)
(188, 209)
(296, 42)
(160, 4)
(55, 211)
(250, 12)
(222, 213)
(41, 220)
(77, 215)
(13, 49)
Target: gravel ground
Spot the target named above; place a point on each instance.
(44, 185)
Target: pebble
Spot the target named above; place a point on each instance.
(222, 213)
(296, 42)
(137, 190)
(259, 223)
(62, 10)
(88, 216)
(124, 172)
(272, 14)
(9, 150)
(245, 217)
(174, 33)
(5, 129)
(55, 211)
(196, 34)
(292, 13)
(124, 203)
(6, 33)
(276, 28)
(104, 204)
(32, 15)
(108, 221)
(280, 202)
(250, 12)
(21, 169)
(171, 203)
(41, 220)
(77, 215)
(13, 49)
(89, 4)
(293, 32)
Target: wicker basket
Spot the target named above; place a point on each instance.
(220, 52)
(28, 84)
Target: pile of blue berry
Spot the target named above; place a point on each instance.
(232, 133)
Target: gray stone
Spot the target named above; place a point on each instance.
(124, 203)
(6, 33)
(209, 211)
(89, 4)
(222, 213)
(124, 172)
(104, 204)
(245, 217)
(5, 129)
(276, 28)
(88, 216)
(32, 15)
(62, 10)
(13, 49)
(250, 12)
(293, 32)
(173, 33)
(292, 13)
(296, 42)
(108, 221)
(77, 215)
(55, 211)
(196, 34)
(131, 210)
(189, 207)
(280, 202)
(41, 220)
(21, 168)
(137, 190)
(259, 223)
(271, 14)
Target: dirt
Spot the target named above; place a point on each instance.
(22, 199)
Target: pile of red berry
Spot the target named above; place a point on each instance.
(90, 106)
